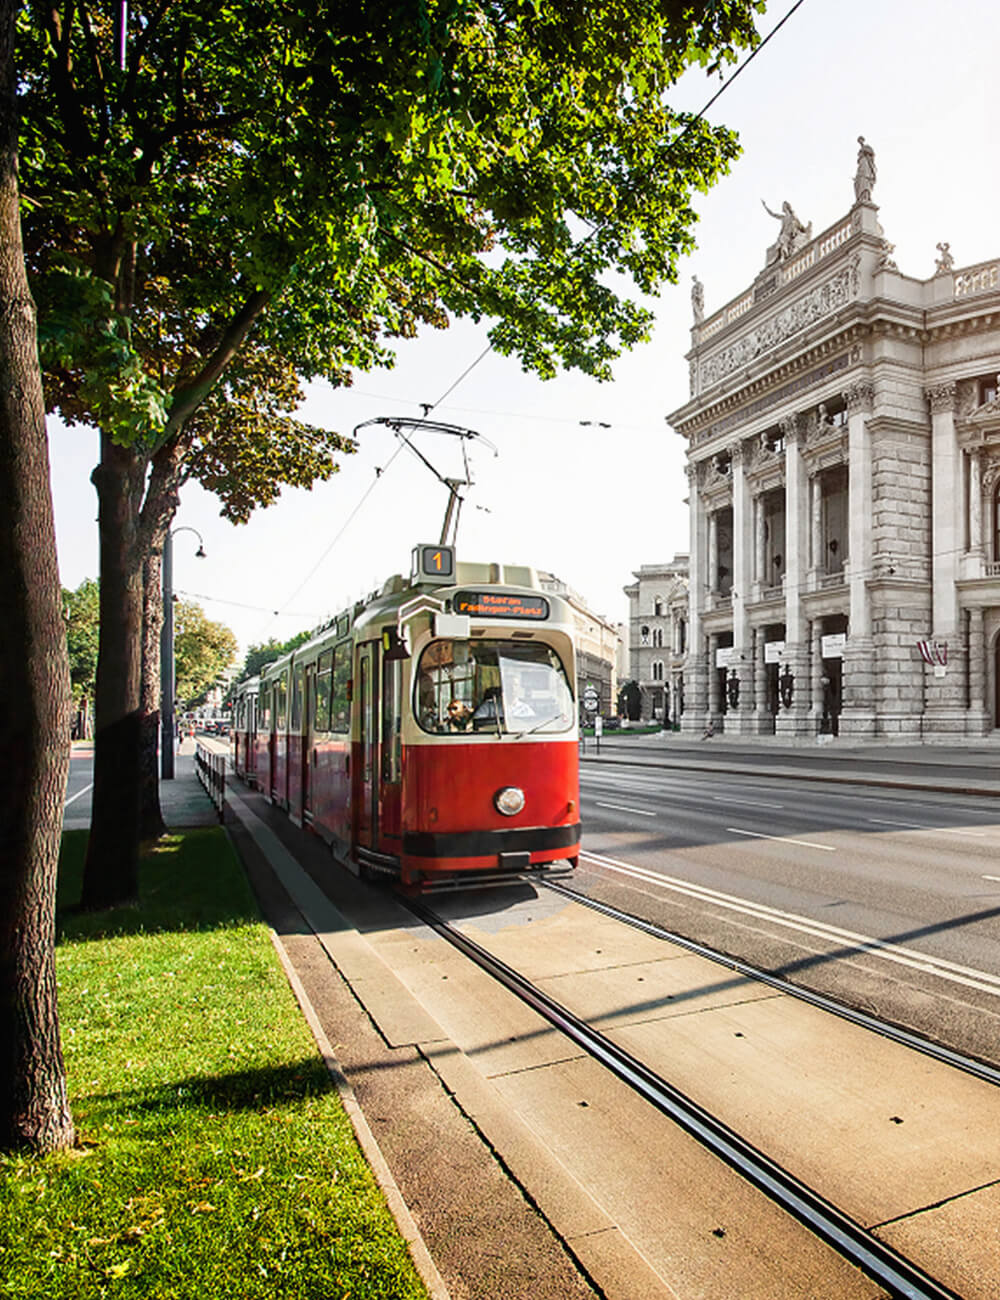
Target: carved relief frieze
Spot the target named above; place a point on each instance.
(825, 298)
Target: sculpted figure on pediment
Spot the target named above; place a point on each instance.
(966, 396)
(792, 235)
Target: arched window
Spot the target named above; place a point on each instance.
(658, 638)
(658, 606)
(658, 670)
(644, 635)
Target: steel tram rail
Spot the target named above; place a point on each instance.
(901, 1278)
(905, 1037)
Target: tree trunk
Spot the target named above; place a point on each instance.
(34, 718)
(152, 825)
(111, 871)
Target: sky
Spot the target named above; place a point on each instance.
(581, 479)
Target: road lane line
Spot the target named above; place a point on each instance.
(784, 839)
(919, 826)
(639, 812)
(983, 981)
(76, 796)
(746, 803)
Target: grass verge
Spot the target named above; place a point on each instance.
(214, 1157)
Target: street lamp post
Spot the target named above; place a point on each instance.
(167, 725)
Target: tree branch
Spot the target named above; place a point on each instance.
(190, 396)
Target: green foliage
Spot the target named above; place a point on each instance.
(81, 609)
(259, 656)
(322, 182)
(202, 651)
(214, 1156)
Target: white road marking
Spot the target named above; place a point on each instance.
(746, 803)
(784, 839)
(73, 798)
(991, 877)
(620, 807)
(984, 981)
(917, 826)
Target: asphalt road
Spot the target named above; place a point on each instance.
(889, 899)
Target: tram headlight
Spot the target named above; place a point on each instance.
(509, 800)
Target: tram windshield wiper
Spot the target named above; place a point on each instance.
(556, 717)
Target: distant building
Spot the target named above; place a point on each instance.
(843, 447)
(657, 637)
(598, 645)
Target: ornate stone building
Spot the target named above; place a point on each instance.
(843, 444)
(657, 636)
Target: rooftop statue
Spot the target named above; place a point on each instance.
(792, 235)
(697, 300)
(946, 262)
(864, 177)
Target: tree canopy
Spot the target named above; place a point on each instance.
(203, 650)
(331, 178)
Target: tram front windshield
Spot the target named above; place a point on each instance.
(504, 687)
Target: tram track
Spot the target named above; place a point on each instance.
(865, 1020)
(890, 1269)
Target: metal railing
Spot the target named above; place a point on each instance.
(211, 768)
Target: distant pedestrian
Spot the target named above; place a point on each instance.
(709, 731)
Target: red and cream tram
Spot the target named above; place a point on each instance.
(431, 730)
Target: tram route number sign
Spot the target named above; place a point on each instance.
(591, 701)
(433, 564)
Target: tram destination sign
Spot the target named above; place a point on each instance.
(499, 604)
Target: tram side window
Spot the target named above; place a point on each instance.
(504, 687)
(264, 708)
(324, 670)
(340, 720)
(280, 702)
(298, 678)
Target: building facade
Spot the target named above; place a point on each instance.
(657, 637)
(598, 645)
(843, 449)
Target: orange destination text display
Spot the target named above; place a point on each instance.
(499, 604)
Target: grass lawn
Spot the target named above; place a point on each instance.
(214, 1159)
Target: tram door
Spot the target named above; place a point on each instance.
(309, 744)
(366, 770)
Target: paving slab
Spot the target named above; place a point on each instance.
(701, 1228)
(958, 1242)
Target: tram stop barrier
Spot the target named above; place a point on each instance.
(211, 769)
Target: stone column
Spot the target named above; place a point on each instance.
(945, 712)
(713, 553)
(760, 576)
(979, 720)
(695, 681)
(857, 716)
(816, 529)
(816, 674)
(794, 721)
(976, 501)
(763, 722)
(714, 699)
(739, 721)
